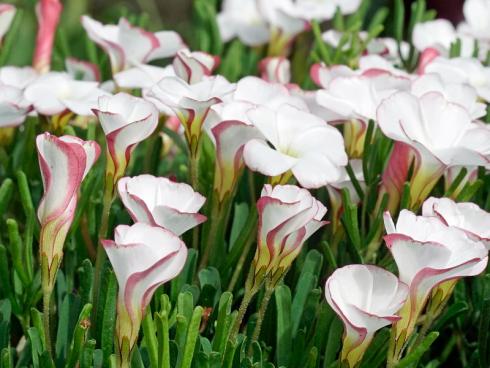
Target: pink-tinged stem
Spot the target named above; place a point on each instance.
(48, 15)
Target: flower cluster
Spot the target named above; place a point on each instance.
(374, 128)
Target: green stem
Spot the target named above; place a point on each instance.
(217, 214)
(249, 241)
(101, 255)
(46, 320)
(247, 298)
(269, 290)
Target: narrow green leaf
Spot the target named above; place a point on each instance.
(191, 338)
(149, 333)
(417, 353)
(284, 327)
(109, 318)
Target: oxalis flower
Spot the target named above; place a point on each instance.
(303, 145)
(13, 106)
(466, 216)
(143, 257)
(428, 253)
(441, 134)
(64, 163)
(193, 66)
(190, 102)
(48, 15)
(366, 298)
(288, 216)
(353, 100)
(161, 202)
(128, 46)
(230, 129)
(275, 69)
(126, 121)
(7, 14)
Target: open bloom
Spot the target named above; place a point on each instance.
(440, 133)
(161, 202)
(13, 106)
(82, 70)
(242, 19)
(193, 66)
(288, 216)
(427, 253)
(275, 69)
(48, 15)
(462, 70)
(438, 33)
(127, 45)
(303, 145)
(143, 257)
(18, 77)
(457, 93)
(366, 298)
(353, 100)
(126, 121)
(54, 92)
(7, 14)
(468, 217)
(477, 19)
(190, 102)
(286, 21)
(64, 163)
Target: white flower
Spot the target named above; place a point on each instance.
(477, 16)
(366, 298)
(54, 92)
(460, 94)
(463, 70)
(128, 46)
(161, 202)
(302, 144)
(18, 77)
(438, 33)
(13, 106)
(241, 18)
(468, 217)
(194, 66)
(7, 14)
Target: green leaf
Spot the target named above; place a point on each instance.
(79, 337)
(483, 335)
(161, 320)
(191, 338)
(109, 318)
(16, 251)
(87, 355)
(149, 333)
(417, 353)
(284, 326)
(6, 191)
(333, 341)
(223, 322)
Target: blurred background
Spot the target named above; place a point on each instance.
(151, 14)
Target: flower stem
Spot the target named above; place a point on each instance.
(46, 320)
(269, 290)
(247, 298)
(101, 255)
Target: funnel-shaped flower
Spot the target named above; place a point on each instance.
(191, 102)
(288, 216)
(427, 253)
(462, 70)
(64, 162)
(441, 134)
(126, 121)
(13, 106)
(229, 128)
(193, 66)
(275, 69)
(286, 23)
(161, 202)
(82, 70)
(7, 14)
(354, 100)
(127, 45)
(143, 257)
(457, 93)
(468, 217)
(366, 298)
(302, 145)
(55, 92)
(48, 15)
(242, 19)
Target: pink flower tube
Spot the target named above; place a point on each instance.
(64, 163)
(48, 15)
